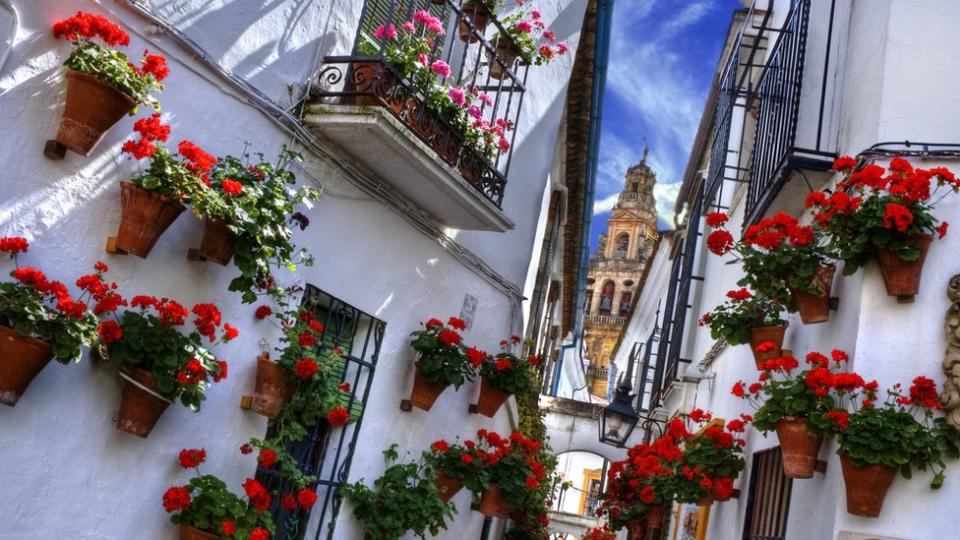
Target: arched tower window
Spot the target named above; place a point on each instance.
(625, 298)
(621, 246)
(606, 297)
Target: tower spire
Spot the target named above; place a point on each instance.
(646, 150)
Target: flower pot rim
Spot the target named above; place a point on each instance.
(75, 74)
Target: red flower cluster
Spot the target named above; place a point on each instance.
(192, 458)
(232, 187)
(258, 495)
(176, 499)
(457, 324)
(14, 245)
(338, 416)
(720, 242)
(897, 216)
(267, 458)
(155, 65)
(306, 368)
(88, 26)
(305, 499)
(476, 356)
(772, 233)
(263, 312)
(923, 392)
(739, 295)
(200, 162)
(449, 337)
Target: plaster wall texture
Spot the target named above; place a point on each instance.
(72, 465)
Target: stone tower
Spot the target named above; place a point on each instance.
(616, 269)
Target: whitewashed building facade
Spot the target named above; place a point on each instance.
(398, 236)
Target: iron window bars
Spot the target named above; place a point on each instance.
(476, 63)
(768, 502)
(327, 453)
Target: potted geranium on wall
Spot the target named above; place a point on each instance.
(458, 465)
(205, 509)
(249, 215)
(505, 375)
(442, 361)
(886, 215)
(747, 319)
(876, 439)
(782, 260)
(40, 320)
(524, 33)
(158, 362)
(404, 498)
(713, 457)
(151, 201)
(513, 471)
(102, 84)
(795, 404)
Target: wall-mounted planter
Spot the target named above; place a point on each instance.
(636, 529)
(507, 53)
(902, 278)
(424, 393)
(216, 244)
(447, 487)
(866, 486)
(479, 15)
(192, 533)
(145, 215)
(815, 308)
(762, 334)
(655, 517)
(141, 404)
(492, 503)
(92, 108)
(799, 448)
(272, 388)
(21, 359)
(490, 401)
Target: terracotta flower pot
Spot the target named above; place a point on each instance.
(491, 399)
(448, 487)
(424, 393)
(866, 486)
(636, 529)
(762, 334)
(479, 15)
(145, 215)
(799, 448)
(815, 308)
(272, 388)
(217, 242)
(902, 278)
(93, 107)
(140, 403)
(507, 54)
(21, 359)
(655, 517)
(188, 532)
(492, 503)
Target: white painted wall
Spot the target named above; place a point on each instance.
(70, 473)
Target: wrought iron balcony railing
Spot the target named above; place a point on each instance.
(483, 68)
(606, 320)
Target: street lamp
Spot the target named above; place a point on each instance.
(619, 418)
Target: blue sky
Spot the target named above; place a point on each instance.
(663, 57)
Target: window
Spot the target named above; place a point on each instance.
(327, 453)
(606, 297)
(769, 498)
(377, 12)
(625, 302)
(621, 246)
(589, 302)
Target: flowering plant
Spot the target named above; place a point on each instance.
(315, 372)
(147, 336)
(443, 359)
(35, 306)
(713, 457)
(513, 464)
(782, 392)
(94, 38)
(404, 499)
(184, 179)
(889, 433)
(408, 49)
(778, 255)
(510, 373)
(742, 311)
(526, 31)
(598, 533)
(462, 462)
(206, 504)
(257, 202)
(873, 207)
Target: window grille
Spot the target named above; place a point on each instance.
(768, 501)
(327, 453)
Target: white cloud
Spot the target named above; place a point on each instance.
(605, 204)
(666, 197)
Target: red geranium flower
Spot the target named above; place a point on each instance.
(232, 187)
(263, 312)
(260, 534)
(110, 331)
(267, 458)
(459, 324)
(14, 245)
(288, 502)
(738, 389)
(307, 339)
(844, 163)
(449, 337)
(306, 368)
(307, 498)
(192, 458)
(502, 364)
(155, 65)
(227, 527)
(176, 499)
(476, 356)
(259, 496)
(338, 416)
(720, 242)
(716, 219)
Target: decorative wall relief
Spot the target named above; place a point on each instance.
(951, 359)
